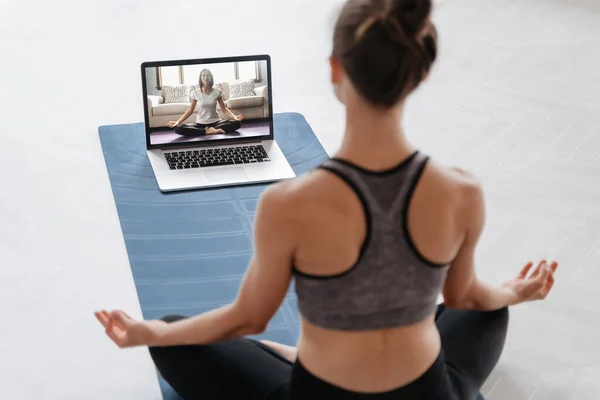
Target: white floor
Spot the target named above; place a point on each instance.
(514, 98)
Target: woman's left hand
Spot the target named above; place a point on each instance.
(534, 286)
(125, 331)
(239, 118)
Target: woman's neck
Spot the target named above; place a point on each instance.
(374, 138)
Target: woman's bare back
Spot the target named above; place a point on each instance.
(330, 228)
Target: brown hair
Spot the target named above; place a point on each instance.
(386, 47)
(211, 80)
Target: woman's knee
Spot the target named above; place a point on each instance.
(493, 322)
(180, 130)
(160, 352)
(189, 130)
(497, 318)
(172, 318)
(503, 316)
(231, 126)
(164, 355)
(496, 322)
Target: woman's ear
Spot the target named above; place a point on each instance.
(337, 75)
(336, 70)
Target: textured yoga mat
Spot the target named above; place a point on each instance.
(189, 250)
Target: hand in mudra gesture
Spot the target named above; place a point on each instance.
(535, 286)
(125, 331)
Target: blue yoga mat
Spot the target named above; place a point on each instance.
(188, 251)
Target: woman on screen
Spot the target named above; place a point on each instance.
(208, 121)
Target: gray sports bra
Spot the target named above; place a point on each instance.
(391, 284)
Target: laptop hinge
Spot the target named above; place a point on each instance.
(215, 143)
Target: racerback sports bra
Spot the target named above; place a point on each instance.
(391, 284)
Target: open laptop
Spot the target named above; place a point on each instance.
(226, 138)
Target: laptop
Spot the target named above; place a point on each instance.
(209, 123)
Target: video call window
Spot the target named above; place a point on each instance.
(207, 101)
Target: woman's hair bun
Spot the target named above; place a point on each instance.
(386, 47)
(412, 15)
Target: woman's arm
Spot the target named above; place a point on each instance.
(262, 291)
(227, 111)
(464, 290)
(185, 115)
(263, 288)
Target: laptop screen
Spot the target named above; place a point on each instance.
(200, 101)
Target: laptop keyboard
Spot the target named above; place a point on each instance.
(217, 157)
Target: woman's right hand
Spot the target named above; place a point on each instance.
(534, 287)
(125, 331)
(172, 124)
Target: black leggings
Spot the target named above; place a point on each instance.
(229, 126)
(472, 343)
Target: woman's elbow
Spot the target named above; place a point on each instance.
(455, 303)
(254, 327)
(460, 297)
(258, 328)
(251, 324)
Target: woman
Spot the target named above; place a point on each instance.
(376, 234)
(208, 121)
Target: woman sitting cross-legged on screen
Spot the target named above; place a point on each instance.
(208, 121)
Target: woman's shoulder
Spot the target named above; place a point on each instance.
(282, 193)
(454, 185)
(296, 193)
(194, 93)
(452, 174)
(276, 202)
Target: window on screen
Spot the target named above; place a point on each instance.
(225, 72)
(248, 70)
(169, 76)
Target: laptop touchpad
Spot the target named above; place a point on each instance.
(226, 174)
